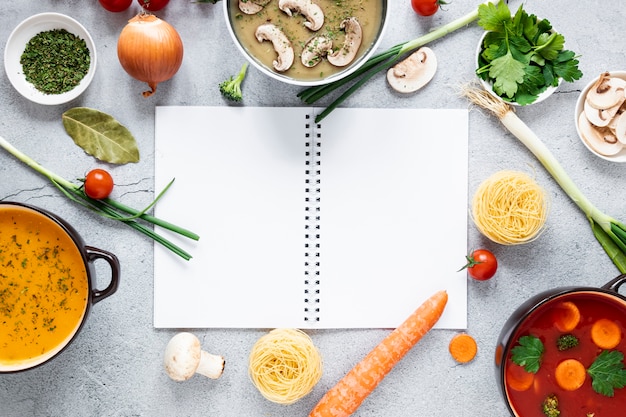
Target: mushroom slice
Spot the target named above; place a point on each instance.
(282, 45)
(250, 6)
(351, 44)
(606, 92)
(620, 128)
(315, 49)
(414, 72)
(601, 140)
(311, 11)
(601, 117)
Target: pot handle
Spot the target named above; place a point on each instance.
(615, 283)
(114, 263)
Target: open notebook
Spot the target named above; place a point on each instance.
(350, 223)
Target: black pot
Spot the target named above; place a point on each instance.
(506, 340)
(89, 254)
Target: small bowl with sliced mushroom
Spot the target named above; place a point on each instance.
(600, 116)
(306, 42)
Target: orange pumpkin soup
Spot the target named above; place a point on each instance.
(43, 285)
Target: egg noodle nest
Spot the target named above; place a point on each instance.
(510, 208)
(284, 365)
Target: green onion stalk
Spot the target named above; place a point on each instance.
(609, 232)
(108, 207)
(380, 62)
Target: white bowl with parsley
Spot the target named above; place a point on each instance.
(521, 58)
(41, 43)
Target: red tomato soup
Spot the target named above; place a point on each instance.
(527, 391)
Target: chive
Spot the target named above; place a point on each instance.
(378, 63)
(108, 207)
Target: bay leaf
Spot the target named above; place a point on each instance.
(100, 135)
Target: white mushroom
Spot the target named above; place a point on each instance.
(184, 357)
(311, 11)
(606, 92)
(315, 49)
(602, 140)
(414, 72)
(620, 128)
(351, 44)
(282, 45)
(600, 117)
(252, 6)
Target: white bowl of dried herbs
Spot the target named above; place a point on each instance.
(50, 58)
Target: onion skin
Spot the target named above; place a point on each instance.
(150, 50)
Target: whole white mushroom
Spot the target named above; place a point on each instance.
(184, 357)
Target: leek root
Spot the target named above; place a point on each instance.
(609, 232)
(108, 207)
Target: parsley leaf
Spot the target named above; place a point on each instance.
(493, 16)
(528, 353)
(607, 372)
(522, 55)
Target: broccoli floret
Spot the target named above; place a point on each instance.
(566, 341)
(231, 88)
(550, 406)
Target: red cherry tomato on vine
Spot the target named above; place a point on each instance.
(481, 264)
(426, 7)
(153, 5)
(98, 184)
(116, 5)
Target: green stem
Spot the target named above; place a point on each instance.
(612, 249)
(609, 232)
(379, 62)
(106, 207)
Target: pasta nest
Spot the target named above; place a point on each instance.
(284, 365)
(510, 208)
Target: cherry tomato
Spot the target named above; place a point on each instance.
(116, 5)
(426, 7)
(98, 184)
(153, 5)
(481, 264)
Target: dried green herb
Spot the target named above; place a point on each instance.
(55, 61)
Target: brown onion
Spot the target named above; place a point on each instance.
(150, 50)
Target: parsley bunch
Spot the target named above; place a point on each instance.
(522, 55)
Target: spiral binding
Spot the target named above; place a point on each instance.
(312, 225)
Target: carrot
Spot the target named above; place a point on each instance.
(347, 395)
(463, 348)
(566, 316)
(518, 379)
(570, 374)
(606, 334)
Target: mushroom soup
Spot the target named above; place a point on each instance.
(347, 31)
(43, 286)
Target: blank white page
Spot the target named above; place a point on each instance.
(392, 228)
(240, 186)
(393, 215)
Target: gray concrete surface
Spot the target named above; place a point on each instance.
(114, 368)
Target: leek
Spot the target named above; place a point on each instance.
(379, 62)
(610, 233)
(108, 207)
